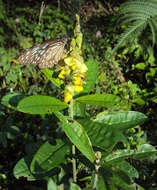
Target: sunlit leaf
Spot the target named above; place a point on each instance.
(51, 185)
(144, 151)
(122, 120)
(91, 75)
(39, 104)
(104, 100)
(78, 136)
(74, 186)
(100, 135)
(48, 73)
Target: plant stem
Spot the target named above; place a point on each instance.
(73, 146)
(97, 166)
(95, 180)
(59, 4)
(74, 164)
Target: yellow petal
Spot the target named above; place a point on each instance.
(69, 61)
(78, 88)
(67, 96)
(73, 67)
(70, 88)
(61, 74)
(15, 61)
(65, 71)
(83, 68)
(77, 81)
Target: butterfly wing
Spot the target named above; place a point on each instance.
(53, 53)
(45, 55)
(29, 56)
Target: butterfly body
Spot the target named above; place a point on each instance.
(45, 55)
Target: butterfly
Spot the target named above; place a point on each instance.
(45, 55)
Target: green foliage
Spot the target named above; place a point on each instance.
(139, 14)
(51, 185)
(78, 136)
(88, 135)
(102, 122)
(105, 100)
(39, 104)
(48, 157)
(90, 76)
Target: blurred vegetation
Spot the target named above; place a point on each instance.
(130, 73)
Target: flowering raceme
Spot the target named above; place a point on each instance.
(74, 66)
(76, 69)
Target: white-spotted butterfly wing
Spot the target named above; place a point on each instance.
(45, 55)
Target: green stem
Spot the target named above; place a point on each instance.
(71, 109)
(97, 166)
(74, 165)
(95, 180)
(59, 4)
(73, 146)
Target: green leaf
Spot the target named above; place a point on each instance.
(12, 132)
(134, 29)
(121, 120)
(101, 184)
(51, 185)
(2, 10)
(124, 186)
(48, 73)
(39, 104)
(118, 156)
(74, 186)
(141, 66)
(154, 99)
(118, 181)
(111, 186)
(78, 136)
(100, 135)
(120, 178)
(21, 169)
(91, 75)
(138, 187)
(104, 100)
(3, 139)
(139, 101)
(12, 100)
(127, 168)
(144, 151)
(49, 156)
(79, 109)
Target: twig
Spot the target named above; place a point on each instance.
(42, 8)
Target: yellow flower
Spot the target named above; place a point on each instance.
(77, 80)
(65, 71)
(82, 68)
(67, 96)
(69, 61)
(68, 93)
(72, 62)
(61, 74)
(73, 67)
(15, 61)
(78, 88)
(70, 88)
